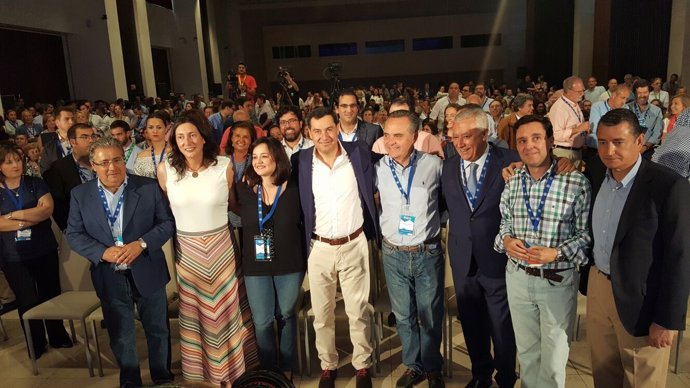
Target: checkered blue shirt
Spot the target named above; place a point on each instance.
(563, 223)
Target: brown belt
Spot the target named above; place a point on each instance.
(338, 241)
(429, 244)
(568, 148)
(550, 274)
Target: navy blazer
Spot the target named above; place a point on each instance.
(62, 177)
(472, 233)
(362, 161)
(146, 215)
(650, 259)
(368, 133)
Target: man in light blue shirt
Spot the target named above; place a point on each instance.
(120, 130)
(409, 185)
(222, 119)
(649, 116)
(600, 108)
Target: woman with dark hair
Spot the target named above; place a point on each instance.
(274, 260)
(28, 250)
(216, 331)
(147, 161)
(242, 137)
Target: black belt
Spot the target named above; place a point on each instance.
(427, 245)
(608, 276)
(568, 148)
(549, 273)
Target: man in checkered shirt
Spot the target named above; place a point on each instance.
(545, 235)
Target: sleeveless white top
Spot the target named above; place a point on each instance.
(199, 204)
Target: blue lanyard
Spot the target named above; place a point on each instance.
(606, 104)
(473, 197)
(340, 136)
(643, 119)
(17, 199)
(540, 210)
(112, 218)
(238, 174)
(413, 168)
(160, 159)
(579, 118)
(82, 176)
(260, 206)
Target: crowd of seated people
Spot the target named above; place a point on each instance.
(307, 181)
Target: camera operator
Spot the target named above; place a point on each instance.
(241, 84)
(289, 85)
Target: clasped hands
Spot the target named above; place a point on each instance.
(516, 248)
(125, 254)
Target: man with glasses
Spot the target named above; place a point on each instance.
(128, 266)
(350, 127)
(570, 128)
(290, 122)
(70, 171)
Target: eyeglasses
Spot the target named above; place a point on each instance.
(107, 163)
(284, 123)
(345, 106)
(88, 137)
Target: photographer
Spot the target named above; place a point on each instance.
(241, 84)
(289, 85)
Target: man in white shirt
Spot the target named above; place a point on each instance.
(122, 132)
(480, 90)
(593, 91)
(439, 108)
(264, 111)
(613, 84)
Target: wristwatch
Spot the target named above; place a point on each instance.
(142, 243)
(559, 254)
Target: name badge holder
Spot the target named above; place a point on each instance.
(263, 244)
(18, 202)
(114, 225)
(406, 223)
(535, 219)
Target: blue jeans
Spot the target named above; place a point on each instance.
(275, 297)
(118, 294)
(415, 286)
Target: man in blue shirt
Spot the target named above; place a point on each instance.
(221, 120)
(600, 108)
(649, 116)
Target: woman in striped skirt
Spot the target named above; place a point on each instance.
(217, 337)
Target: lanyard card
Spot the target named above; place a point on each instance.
(262, 248)
(23, 235)
(406, 225)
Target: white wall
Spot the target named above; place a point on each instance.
(89, 60)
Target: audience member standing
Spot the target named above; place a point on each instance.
(213, 303)
(637, 296)
(544, 233)
(147, 162)
(569, 126)
(337, 196)
(119, 223)
(28, 250)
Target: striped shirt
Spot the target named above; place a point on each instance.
(563, 223)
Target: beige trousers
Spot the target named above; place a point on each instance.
(618, 358)
(349, 264)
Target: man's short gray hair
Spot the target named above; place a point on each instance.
(411, 117)
(570, 81)
(475, 112)
(104, 142)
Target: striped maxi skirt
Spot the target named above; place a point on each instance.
(216, 332)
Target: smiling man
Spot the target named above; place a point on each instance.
(545, 235)
(350, 127)
(122, 235)
(337, 195)
(637, 293)
(290, 122)
(409, 184)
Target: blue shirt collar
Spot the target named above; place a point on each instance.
(630, 177)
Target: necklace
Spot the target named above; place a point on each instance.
(195, 173)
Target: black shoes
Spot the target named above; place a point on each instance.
(363, 378)
(409, 379)
(435, 380)
(328, 378)
(61, 343)
(476, 383)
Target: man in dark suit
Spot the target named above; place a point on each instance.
(119, 222)
(637, 295)
(336, 185)
(70, 171)
(350, 127)
(472, 185)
